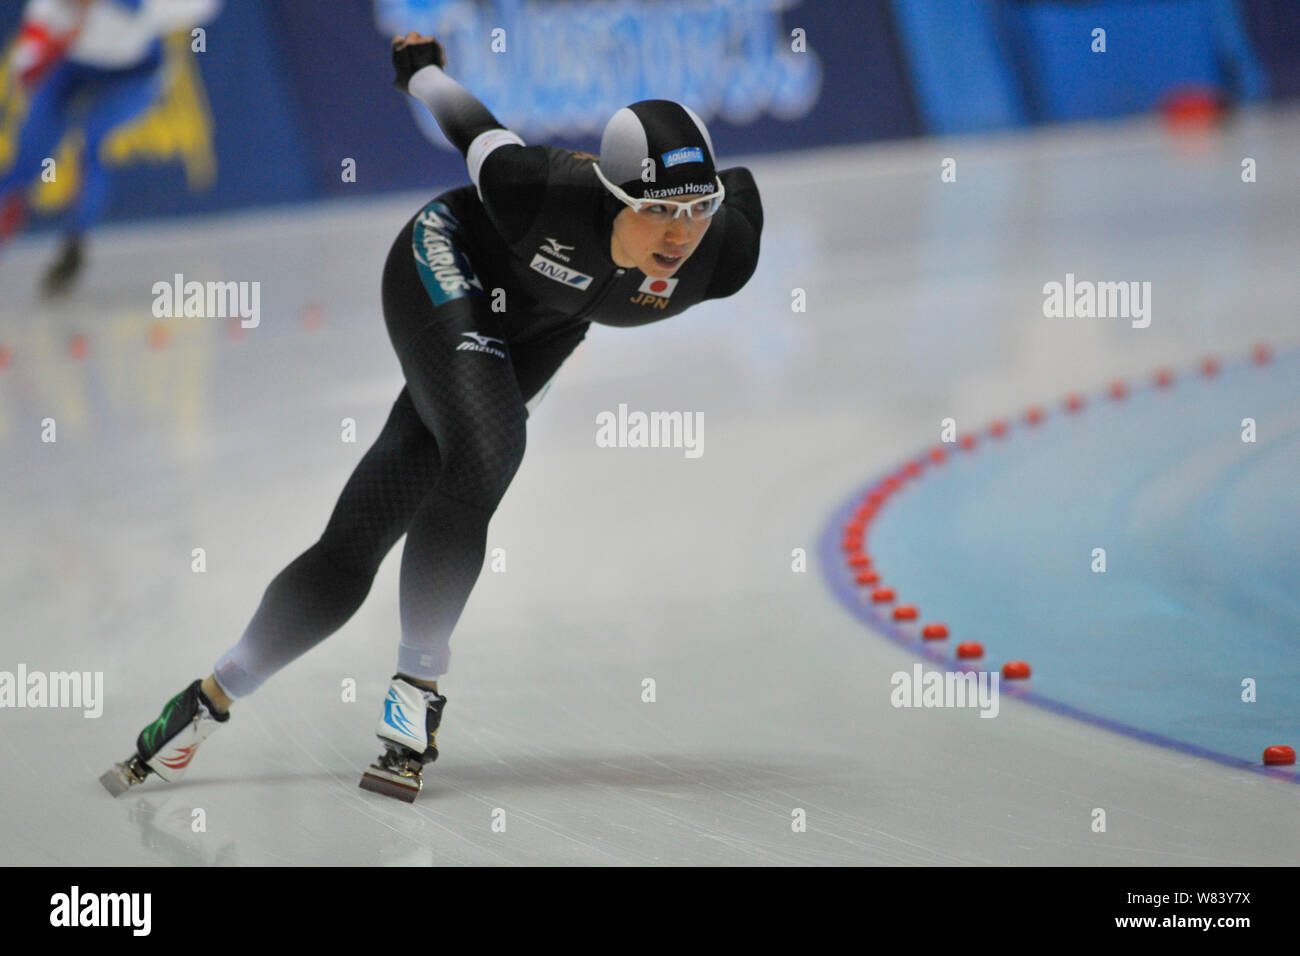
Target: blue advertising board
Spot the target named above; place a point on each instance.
(286, 101)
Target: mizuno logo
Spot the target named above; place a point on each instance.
(556, 248)
(480, 344)
(553, 270)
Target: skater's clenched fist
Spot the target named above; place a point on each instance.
(413, 52)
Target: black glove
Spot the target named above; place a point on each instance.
(413, 57)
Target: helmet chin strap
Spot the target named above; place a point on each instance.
(611, 208)
(615, 247)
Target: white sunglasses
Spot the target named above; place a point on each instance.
(665, 210)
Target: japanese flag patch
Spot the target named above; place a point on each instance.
(660, 287)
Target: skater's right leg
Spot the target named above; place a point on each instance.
(316, 594)
(167, 745)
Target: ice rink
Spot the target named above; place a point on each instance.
(924, 300)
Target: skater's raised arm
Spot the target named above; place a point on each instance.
(169, 15)
(49, 27)
(462, 118)
(512, 193)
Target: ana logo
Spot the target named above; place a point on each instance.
(480, 344)
(687, 154)
(555, 248)
(553, 270)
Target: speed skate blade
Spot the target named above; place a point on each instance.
(378, 780)
(118, 780)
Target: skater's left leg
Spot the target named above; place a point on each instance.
(480, 433)
(444, 553)
(43, 128)
(447, 538)
(118, 100)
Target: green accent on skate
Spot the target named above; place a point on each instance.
(151, 732)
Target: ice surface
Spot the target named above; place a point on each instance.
(924, 300)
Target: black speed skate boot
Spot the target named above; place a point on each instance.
(167, 745)
(409, 730)
(63, 273)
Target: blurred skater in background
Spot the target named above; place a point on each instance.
(95, 65)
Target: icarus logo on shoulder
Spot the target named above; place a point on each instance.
(447, 267)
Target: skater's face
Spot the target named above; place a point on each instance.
(656, 248)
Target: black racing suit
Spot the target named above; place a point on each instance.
(486, 291)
